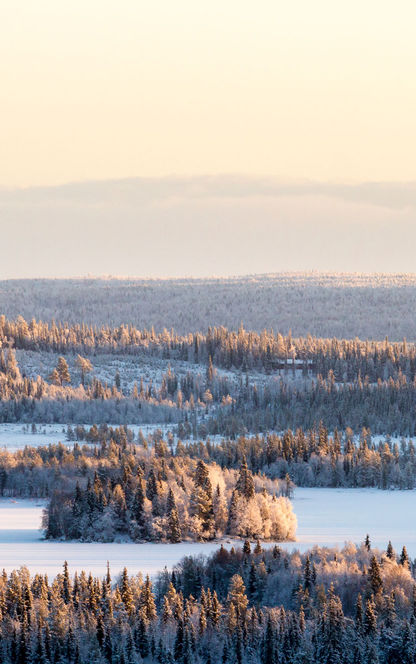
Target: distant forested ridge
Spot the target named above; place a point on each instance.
(322, 304)
(245, 606)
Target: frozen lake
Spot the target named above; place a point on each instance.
(326, 517)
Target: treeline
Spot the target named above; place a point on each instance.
(315, 458)
(312, 457)
(389, 407)
(238, 607)
(212, 404)
(246, 350)
(357, 384)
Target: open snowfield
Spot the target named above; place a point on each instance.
(326, 517)
(16, 436)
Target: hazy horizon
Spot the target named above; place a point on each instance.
(203, 226)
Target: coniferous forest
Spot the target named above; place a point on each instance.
(205, 437)
(245, 605)
(214, 461)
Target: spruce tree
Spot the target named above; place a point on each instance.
(246, 548)
(245, 482)
(126, 592)
(370, 619)
(404, 558)
(142, 640)
(147, 606)
(178, 647)
(174, 530)
(376, 583)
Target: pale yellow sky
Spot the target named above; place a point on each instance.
(320, 89)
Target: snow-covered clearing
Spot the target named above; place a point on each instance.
(17, 436)
(326, 517)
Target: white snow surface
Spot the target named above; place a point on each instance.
(326, 517)
(16, 436)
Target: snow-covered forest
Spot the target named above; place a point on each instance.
(203, 435)
(246, 605)
(145, 496)
(321, 304)
(218, 383)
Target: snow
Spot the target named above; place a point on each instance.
(326, 517)
(331, 517)
(16, 436)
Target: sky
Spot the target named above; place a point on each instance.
(317, 95)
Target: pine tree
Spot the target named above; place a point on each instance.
(63, 371)
(100, 631)
(359, 614)
(236, 598)
(202, 624)
(258, 548)
(108, 648)
(84, 365)
(23, 654)
(219, 506)
(252, 581)
(269, 655)
(202, 502)
(239, 645)
(246, 548)
(138, 508)
(151, 486)
(215, 612)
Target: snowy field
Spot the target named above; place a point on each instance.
(326, 517)
(16, 436)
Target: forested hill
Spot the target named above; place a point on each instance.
(324, 305)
